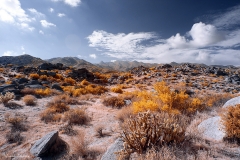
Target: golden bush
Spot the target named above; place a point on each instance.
(117, 89)
(43, 77)
(29, 100)
(43, 92)
(231, 122)
(34, 76)
(84, 82)
(149, 129)
(115, 102)
(76, 116)
(70, 81)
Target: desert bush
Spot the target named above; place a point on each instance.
(167, 100)
(68, 130)
(28, 91)
(7, 97)
(115, 102)
(43, 77)
(117, 89)
(148, 129)
(99, 131)
(50, 116)
(43, 92)
(34, 76)
(58, 107)
(58, 76)
(2, 70)
(29, 100)
(84, 82)
(14, 137)
(230, 120)
(93, 89)
(70, 81)
(124, 113)
(64, 98)
(76, 116)
(16, 121)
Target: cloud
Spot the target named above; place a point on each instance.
(47, 24)
(35, 12)
(72, 3)
(203, 43)
(61, 15)
(22, 48)
(41, 32)
(51, 10)
(93, 56)
(11, 53)
(11, 11)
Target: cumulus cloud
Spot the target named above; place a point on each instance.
(11, 53)
(204, 43)
(61, 15)
(41, 32)
(51, 10)
(47, 24)
(94, 56)
(35, 12)
(72, 3)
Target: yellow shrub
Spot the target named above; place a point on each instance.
(70, 81)
(117, 89)
(84, 82)
(58, 76)
(43, 92)
(34, 76)
(2, 69)
(43, 77)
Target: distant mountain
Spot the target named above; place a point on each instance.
(124, 65)
(75, 62)
(22, 60)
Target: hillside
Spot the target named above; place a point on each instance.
(24, 60)
(124, 65)
(75, 62)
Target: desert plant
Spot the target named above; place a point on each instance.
(16, 121)
(150, 129)
(124, 113)
(115, 102)
(84, 82)
(7, 97)
(34, 76)
(117, 89)
(43, 77)
(29, 100)
(70, 81)
(64, 98)
(14, 137)
(99, 131)
(43, 92)
(230, 120)
(68, 130)
(76, 116)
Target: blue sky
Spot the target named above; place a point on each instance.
(160, 31)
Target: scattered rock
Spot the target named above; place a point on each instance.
(232, 102)
(57, 87)
(115, 147)
(212, 129)
(42, 145)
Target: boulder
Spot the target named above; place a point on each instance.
(115, 147)
(57, 87)
(35, 86)
(232, 102)
(32, 82)
(42, 145)
(212, 129)
(7, 87)
(22, 80)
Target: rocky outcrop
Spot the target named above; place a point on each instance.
(42, 145)
(81, 74)
(115, 147)
(232, 102)
(50, 66)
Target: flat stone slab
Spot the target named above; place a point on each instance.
(212, 129)
(232, 102)
(115, 147)
(42, 145)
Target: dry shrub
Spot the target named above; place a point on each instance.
(231, 122)
(168, 100)
(14, 137)
(216, 100)
(34, 76)
(29, 100)
(115, 102)
(43, 77)
(43, 92)
(117, 89)
(148, 129)
(76, 116)
(84, 82)
(27, 91)
(2, 70)
(124, 113)
(7, 97)
(64, 98)
(53, 112)
(99, 131)
(70, 81)
(68, 130)
(80, 149)
(17, 121)
(58, 76)
(89, 89)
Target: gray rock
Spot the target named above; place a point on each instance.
(232, 102)
(22, 80)
(32, 82)
(36, 86)
(42, 145)
(57, 87)
(115, 147)
(212, 129)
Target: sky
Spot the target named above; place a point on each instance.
(156, 31)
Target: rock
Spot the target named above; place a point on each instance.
(32, 82)
(35, 86)
(22, 80)
(232, 102)
(50, 73)
(42, 145)
(220, 73)
(7, 87)
(82, 73)
(212, 129)
(57, 87)
(115, 147)
(128, 102)
(166, 66)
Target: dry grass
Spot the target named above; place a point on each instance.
(68, 130)
(7, 97)
(117, 89)
(14, 137)
(99, 131)
(76, 116)
(115, 102)
(124, 113)
(34, 76)
(29, 100)
(43, 92)
(17, 121)
(70, 81)
(28, 91)
(64, 98)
